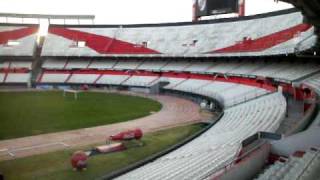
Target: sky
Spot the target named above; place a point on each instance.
(126, 11)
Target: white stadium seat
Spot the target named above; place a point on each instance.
(18, 77)
(24, 45)
(102, 64)
(219, 145)
(152, 65)
(131, 64)
(144, 81)
(54, 78)
(112, 79)
(306, 167)
(189, 39)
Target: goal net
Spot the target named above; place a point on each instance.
(72, 92)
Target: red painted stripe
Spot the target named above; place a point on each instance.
(57, 72)
(175, 75)
(265, 42)
(22, 70)
(111, 72)
(5, 36)
(231, 79)
(101, 44)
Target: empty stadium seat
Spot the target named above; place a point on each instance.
(304, 168)
(102, 64)
(216, 38)
(18, 78)
(23, 36)
(228, 94)
(144, 81)
(217, 146)
(152, 65)
(112, 79)
(131, 64)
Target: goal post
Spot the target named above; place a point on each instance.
(70, 91)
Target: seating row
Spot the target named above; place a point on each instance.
(219, 145)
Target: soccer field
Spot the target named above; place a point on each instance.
(31, 113)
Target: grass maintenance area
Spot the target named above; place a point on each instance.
(32, 113)
(56, 165)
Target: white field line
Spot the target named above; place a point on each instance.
(11, 152)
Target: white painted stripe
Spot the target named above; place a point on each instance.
(38, 146)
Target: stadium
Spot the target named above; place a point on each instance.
(214, 98)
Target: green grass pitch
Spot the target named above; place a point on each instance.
(31, 113)
(56, 165)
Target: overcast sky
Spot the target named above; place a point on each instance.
(125, 11)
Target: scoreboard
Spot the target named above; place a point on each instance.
(213, 7)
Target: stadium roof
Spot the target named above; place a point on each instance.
(47, 16)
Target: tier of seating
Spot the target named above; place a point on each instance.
(227, 93)
(122, 65)
(304, 168)
(278, 70)
(313, 82)
(219, 145)
(268, 34)
(55, 77)
(15, 77)
(248, 108)
(15, 71)
(250, 36)
(17, 40)
(144, 81)
(15, 65)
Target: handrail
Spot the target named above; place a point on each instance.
(306, 167)
(245, 97)
(235, 159)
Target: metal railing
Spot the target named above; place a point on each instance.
(308, 165)
(223, 169)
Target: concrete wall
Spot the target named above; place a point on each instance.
(249, 167)
(301, 141)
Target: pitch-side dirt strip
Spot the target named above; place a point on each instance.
(175, 112)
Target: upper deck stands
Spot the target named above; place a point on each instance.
(17, 40)
(268, 34)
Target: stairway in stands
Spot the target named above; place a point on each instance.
(37, 62)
